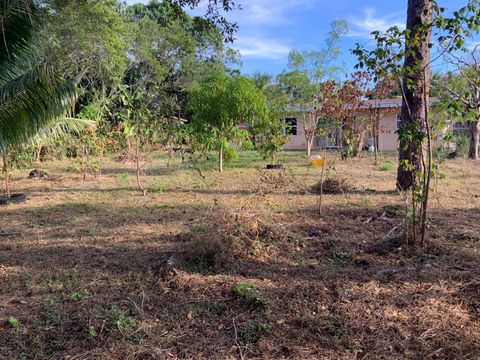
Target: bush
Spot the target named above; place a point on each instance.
(230, 154)
(20, 158)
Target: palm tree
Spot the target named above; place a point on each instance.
(32, 96)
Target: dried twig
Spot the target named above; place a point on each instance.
(392, 230)
(7, 234)
(240, 352)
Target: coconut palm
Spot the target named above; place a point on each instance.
(33, 99)
(32, 96)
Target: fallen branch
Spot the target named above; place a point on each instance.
(392, 230)
(7, 234)
(240, 352)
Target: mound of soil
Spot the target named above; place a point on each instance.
(332, 186)
(38, 174)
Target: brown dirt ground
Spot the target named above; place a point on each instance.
(88, 276)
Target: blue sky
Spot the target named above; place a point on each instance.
(269, 29)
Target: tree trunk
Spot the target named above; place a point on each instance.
(412, 117)
(220, 159)
(357, 150)
(84, 163)
(474, 139)
(138, 168)
(375, 148)
(37, 154)
(376, 125)
(7, 177)
(309, 139)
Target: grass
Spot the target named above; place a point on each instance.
(100, 271)
(386, 166)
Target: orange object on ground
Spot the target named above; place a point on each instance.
(319, 162)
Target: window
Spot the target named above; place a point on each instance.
(290, 126)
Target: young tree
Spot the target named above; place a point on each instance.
(352, 97)
(461, 95)
(220, 103)
(301, 100)
(464, 89)
(270, 132)
(141, 128)
(306, 71)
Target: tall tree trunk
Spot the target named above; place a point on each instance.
(220, 159)
(412, 117)
(474, 139)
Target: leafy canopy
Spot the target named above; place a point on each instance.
(220, 102)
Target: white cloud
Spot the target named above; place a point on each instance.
(266, 16)
(262, 48)
(364, 26)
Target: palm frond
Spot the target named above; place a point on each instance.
(60, 127)
(18, 19)
(30, 104)
(32, 97)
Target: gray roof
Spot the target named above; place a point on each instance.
(367, 104)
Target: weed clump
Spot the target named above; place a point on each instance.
(247, 292)
(227, 235)
(251, 333)
(332, 186)
(243, 289)
(385, 166)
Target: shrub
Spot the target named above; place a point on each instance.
(230, 154)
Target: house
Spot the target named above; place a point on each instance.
(389, 112)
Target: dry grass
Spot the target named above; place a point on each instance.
(86, 279)
(332, 185)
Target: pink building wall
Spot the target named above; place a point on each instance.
(388, 139)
